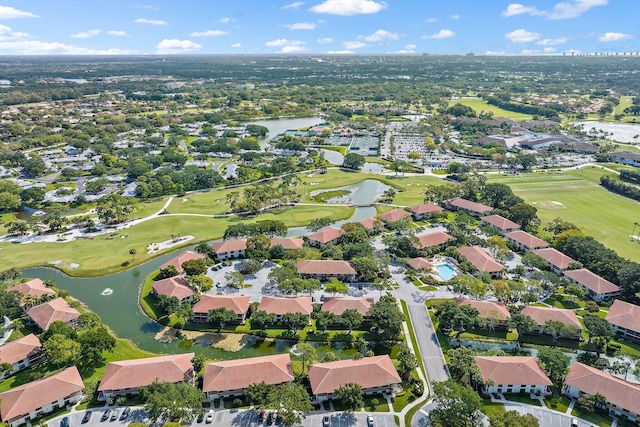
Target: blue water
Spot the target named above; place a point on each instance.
(446, 271)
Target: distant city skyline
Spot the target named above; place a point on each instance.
(116, 27)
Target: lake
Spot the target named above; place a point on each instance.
(621, 132)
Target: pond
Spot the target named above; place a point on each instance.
(277, 126)
(621, 132)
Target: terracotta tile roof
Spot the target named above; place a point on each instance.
(368, 372)
(175, 286)
(140, 372)
(240, 373)
(523, 370)
(326, 235)
(617, 391)
(554, 257)
(280, 306)
(393, 216)
(26, 398)
(369, 223)
(181, 259)
(500, 222)
(426, 208)
(592, 281)
(433, 239)
(487, 309)
(325, 266)
(542, 314)
(19, 349)
(419, 263)
(624, 315)
(338, 305)
(461, 203)
(480, 259)
(58, 309)
(229, 246)
(34, 287)
(238, 304)
(527, 240)
(287, 243)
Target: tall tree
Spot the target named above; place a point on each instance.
(457, 405)
(171, 401)
(350, 395)
(598, 329)
(522, 323)
(513, 419)
(61, 351)
(220, 317)
(407, 362)
(351, 318)
(556, 363)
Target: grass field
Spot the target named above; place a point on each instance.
(479, 105)
(576, 196)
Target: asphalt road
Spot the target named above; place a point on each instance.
(430, 350)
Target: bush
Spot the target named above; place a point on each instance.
(237, 403)
(375, 401)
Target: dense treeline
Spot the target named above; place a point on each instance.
(630, 176)
(167, 181)
(523, 108)
(620, 188)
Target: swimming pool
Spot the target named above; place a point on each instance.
(446, 271)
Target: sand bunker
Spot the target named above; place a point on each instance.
(549, 204)
(227, 342)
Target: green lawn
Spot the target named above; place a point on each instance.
(478, 104)
(523, 398)
(576, 196)
(490, 408)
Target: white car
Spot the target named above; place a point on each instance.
(209, 417)
(370, 420)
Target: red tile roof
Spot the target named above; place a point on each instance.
(617, 391)
(58, 309)
(481, 259)
(526, 239)
(21, 400)
(338, 305)
(624, 315)
(135, 373)
(369, 223)
(426, 208)
(325, 266)
(433, 239)
(523, 370)
(368, 372)
(419, 263)
(175, 286)
(461, 203)
(240, 373)
(19, 349)
(280, 305)
(238, 304)
(592, 281)
(500, 222)
(34, 287)
(487, 309)
(181, 259)
(229, 246)
(554, 257)
(543, 314)
(393, 216)
(287, 243)
(326, 235)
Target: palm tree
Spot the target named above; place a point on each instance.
(29, 300)
(133, 253)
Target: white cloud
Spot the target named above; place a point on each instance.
(236, 45)
(442, 34)
(380, 35)
(208, 33)
(562, 10)
(302, 26)
(455, 16)
(117, 33)
(552, 42)
(351, 45)
(226, 20)
(176, 46)
(287, 46)
(144, 6)
(349, 7)
(410, 48)
(85, 34)
(8, 12)
(150, 21)
(37, 47)
(615, 37)
(7, 34)
(522, 36)
(494, 52)
(324, 40)
(294, 5)
(549, 50)
(340, 52)
(431, 20)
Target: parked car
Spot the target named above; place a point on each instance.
(64, 422)
(86, 417)
(209, 418)
(326, 422)
(269, 418)
(370, 420)
(114, 414)
(574, 422)
(105, 415)
(125, 413)
(261, 415)
(200, 417)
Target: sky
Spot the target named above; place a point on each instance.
(164, 27)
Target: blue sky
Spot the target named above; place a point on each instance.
(318, 26)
